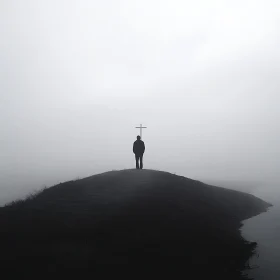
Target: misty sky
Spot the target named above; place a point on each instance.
(78, 76)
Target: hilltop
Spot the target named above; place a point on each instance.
(142, 218)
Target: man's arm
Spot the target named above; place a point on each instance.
(133, 148)
(143, 147)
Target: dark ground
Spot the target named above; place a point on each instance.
(142, 220)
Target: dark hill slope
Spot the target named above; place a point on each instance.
(142, 218)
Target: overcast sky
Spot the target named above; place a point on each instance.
(78, 76)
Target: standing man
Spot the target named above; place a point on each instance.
(138, 150)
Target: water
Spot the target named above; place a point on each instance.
(265, 230)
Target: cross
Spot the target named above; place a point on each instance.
(141, 129)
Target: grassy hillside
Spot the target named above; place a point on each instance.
(131, 217)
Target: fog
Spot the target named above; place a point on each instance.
(77, 77)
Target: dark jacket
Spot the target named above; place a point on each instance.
(138, 147)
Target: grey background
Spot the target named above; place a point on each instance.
(78, 76)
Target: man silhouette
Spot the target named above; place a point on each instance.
(138, 150)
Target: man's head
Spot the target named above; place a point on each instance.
(138, 137)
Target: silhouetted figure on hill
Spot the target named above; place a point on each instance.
(138, 150)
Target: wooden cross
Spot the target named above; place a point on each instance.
(141, 129)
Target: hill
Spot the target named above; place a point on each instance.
(141, 218)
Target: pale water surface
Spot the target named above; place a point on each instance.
(265, 230)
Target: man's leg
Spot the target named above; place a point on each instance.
(137, 161)
(141, 161)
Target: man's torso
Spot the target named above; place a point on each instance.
(139, 147)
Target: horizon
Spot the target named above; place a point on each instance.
(251, 187)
